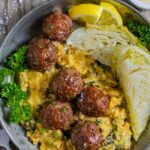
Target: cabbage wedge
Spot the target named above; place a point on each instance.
(132, 67)
(101, 40)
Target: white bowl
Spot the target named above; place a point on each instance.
(144, 4)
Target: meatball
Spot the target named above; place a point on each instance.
(86, 136)
(93, 101)
(58, 115)
(57, 26)
(41, 54)
(67, 84)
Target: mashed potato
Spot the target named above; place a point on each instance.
(115, 126)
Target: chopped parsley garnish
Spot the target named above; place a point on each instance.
(17, 61)
(13, 97)
(141, 31)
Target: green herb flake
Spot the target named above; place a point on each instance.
(90, 83)
(55, 135)
(64, 109)
(50, 27)
(98, 122)
(110, 139)
(42, 46)
(43, 130)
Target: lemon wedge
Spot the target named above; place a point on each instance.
(103, 14)
(110, 15)
(89, 13)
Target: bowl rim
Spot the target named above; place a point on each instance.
(34, 10)
(140, 4)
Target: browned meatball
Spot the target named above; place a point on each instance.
(67, 84)
(57, 26)
(58, 115)
(41, 54)
(86, 136)
(93, 101)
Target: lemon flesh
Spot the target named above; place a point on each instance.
(89, 13)
(110, 15)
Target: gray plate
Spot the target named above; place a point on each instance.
(28, 27)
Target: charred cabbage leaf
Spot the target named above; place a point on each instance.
(100, 40)
(132, 66)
